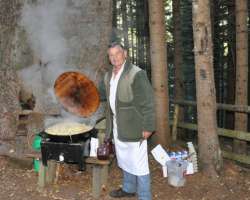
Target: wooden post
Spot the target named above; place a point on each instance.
(47, 175)
(104, 176)
(51, 172)
(42, 176)
(99, 175)
(100, 126)
(99, 179)
(96, 181)
(175, 122)
(57, 172)
(101, 136)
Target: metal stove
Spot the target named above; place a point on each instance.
(69, 149)
(78, 95)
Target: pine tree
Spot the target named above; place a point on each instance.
(209, 150)
(159, 70)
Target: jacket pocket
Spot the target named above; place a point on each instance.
(129, 124)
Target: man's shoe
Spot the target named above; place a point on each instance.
(120, 193)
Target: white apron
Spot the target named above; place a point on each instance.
(132, 157)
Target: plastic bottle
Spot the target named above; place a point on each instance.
(193, 156)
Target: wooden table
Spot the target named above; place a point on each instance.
(49, 174)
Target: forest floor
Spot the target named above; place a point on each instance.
(18, 183)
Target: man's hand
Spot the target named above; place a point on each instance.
(146, 134)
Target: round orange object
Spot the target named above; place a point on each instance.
(77, 93)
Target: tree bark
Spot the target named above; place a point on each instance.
(86, 35)
(9, 88)
(241, 92)
(178, 81)
(125, 15)
(159, 67)
(209, 149)
(230, 98)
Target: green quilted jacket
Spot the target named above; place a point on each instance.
(135, 109)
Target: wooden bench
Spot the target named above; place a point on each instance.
(49, 174)
(99, 174)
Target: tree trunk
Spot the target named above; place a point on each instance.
(219, 49)
(124, 12)
(114, 13)
(230, 98)
(141, 17)
(188, 62)
(209, 149)
(178, 82)
(84, 32)
(9, 88)
(241, 92)
(159, 67)
(9, 105)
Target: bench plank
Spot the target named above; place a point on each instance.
(33, 155)
(92, 160)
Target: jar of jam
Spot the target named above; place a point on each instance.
(103, 152)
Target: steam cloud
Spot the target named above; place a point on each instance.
(43, 22)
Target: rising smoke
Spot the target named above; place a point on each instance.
(44, 23)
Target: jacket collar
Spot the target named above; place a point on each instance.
(127, 66)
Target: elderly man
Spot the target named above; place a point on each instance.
(130, 122)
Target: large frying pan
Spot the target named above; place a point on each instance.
(77, 93)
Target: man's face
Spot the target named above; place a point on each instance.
(117, 56)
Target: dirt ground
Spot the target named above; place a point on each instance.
(18, 183)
